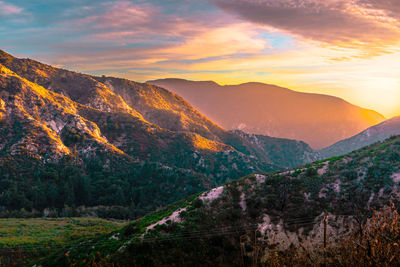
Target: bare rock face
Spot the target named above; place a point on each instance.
(42, 116)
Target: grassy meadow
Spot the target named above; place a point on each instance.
(22, 240)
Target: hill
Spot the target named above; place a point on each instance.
(258, 108)
(69, 139)
(263, 213)
(371, 135)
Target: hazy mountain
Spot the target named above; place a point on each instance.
(371, 135)
(275, 212)
(84, 140)
(319, 120)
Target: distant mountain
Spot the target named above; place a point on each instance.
(258, 108)
(371, 135)
(269, 215)
(73, 139)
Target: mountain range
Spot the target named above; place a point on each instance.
(74, 139)
(319, 120)
(73, 144)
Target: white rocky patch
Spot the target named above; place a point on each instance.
(380, 193)
(56, 126)
(396, 177)
(212, 194)
(336, 186)
(370, 200)
(322, 193)
(347, 160)
(265, 225)
(114, 237)
(174, 217)
(124, 246)
(275, 234)
(322, 171)
(260, 178)
(241, 126)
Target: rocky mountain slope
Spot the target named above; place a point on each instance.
(72, 139)
(295, 153)
(257, 108)
(371, 135)
(266, 213)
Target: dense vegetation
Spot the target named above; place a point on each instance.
(124, 190)
(73, 144)
(283, 210)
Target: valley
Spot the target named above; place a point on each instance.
(213, 133)
(173, 187)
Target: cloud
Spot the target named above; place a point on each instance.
(9, 9)
(391, 7)
(124, 20)
(322, 46)
(123, 33)
(122, 14)
(368, 25)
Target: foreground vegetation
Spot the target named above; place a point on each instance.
(280, 213)
(22, 240)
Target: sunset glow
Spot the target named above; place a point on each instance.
(337, 47)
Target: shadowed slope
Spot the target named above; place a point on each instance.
(319, 120)
(372, 135)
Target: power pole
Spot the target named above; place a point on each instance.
(325, 226)
(255, 259)
(242, 239)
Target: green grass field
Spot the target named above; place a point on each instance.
(23, 240)
(39, 231)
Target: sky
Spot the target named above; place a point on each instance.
(345, 48)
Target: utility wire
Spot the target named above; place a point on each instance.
(220, 231)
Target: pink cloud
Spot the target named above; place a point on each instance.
(9, 9)
(125, 14)
(125, 21)
(359, 24)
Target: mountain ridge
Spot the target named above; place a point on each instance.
(105, 133)
(367, 137)
(319, 120)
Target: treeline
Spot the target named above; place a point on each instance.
(110, 188)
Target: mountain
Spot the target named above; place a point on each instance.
(293, 153)
(273, 214)
(371, 135)
(71, 139)
(258, 108)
